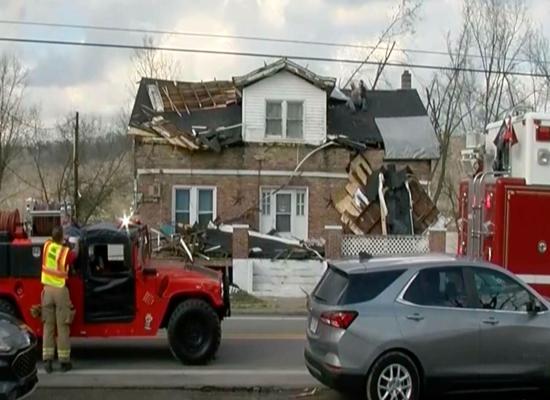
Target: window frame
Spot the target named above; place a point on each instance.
(287, 214)
(293, 190)
(469, 306)
(284, 120)
(470, 275)
(193, 201)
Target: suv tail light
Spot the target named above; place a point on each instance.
(338, 319)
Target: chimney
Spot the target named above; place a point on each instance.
(406, 80)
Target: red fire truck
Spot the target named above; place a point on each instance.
(116, 287)
(504, 207)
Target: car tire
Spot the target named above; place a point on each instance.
(194, 332)
(7, 307)
(394, 364)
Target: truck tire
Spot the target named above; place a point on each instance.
(7, 307)
(194, 332)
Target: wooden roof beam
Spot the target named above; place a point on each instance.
(182, 97)
(209, 95)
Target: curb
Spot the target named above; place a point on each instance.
(267, 312)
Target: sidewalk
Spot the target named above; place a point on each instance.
(243, 303)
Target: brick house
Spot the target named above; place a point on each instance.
(268, 149)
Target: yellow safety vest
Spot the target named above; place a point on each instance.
(54, 271)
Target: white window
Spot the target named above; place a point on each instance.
(284, 211)
(294, 119)
(274, 118)
(284, 119)
(194, 205)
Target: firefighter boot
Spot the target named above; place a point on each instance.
(48, 366)
(66, 366)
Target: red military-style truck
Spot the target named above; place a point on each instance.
(119, 290)
(504, 207)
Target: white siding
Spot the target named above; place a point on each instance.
(284, 86)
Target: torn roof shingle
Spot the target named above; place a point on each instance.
(284, 64)
(360, 125)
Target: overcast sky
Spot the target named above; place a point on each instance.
(65, 79)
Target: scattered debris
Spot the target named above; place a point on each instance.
(385, 201)
(216, 242)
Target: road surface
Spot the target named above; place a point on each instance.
(255, 352)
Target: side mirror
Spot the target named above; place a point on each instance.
(150, 271)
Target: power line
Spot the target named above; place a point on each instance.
(268, 55)
(216, 36)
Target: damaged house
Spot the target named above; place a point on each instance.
(282, 150)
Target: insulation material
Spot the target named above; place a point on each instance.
(385, 201)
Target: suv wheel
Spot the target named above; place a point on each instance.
(7, 308)
(194, 332)
(393, 376)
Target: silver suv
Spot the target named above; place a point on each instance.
(391, 328)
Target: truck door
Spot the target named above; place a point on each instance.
(109, 283)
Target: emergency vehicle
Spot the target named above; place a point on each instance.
(504, 207)
(116, 287)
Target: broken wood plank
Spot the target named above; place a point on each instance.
(182, 97)
(196, 96)
(209, 95)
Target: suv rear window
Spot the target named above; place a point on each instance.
(336, 287)
(330, 288)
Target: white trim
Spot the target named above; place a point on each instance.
(193, 201)
(241, 226)
(292, 190)
(240, 172)
(333, 227)
(535, 279)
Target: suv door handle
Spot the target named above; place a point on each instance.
(491, 321)
(415, 317)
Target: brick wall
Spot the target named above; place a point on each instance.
(251, 156)
(237, 198)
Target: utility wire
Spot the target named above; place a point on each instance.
(267, 55)
(215, 36)
(238, 37)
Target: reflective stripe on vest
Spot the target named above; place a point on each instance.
(54, 271)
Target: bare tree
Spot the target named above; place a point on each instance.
(500, 31)
(104, 170)
(401, 22)
(151, 63)
(447, 104)
(12, 112)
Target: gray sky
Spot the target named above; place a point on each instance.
(92, 80)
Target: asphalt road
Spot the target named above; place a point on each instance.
(255, 352)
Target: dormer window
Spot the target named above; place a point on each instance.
(284, 119)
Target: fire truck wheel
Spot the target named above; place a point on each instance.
(7, 308)
(194, 332)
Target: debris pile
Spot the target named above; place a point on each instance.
(383, 201)
(216, 242)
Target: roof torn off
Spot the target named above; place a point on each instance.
(383, 201)
(188, 115)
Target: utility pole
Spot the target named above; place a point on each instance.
(75, 169)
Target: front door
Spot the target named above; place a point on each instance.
(438, 325)
(514, 343)
(109, 283)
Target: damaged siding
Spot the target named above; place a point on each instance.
(284, 86)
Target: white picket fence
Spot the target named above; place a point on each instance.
(379, 245)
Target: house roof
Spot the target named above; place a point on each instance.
(361, 124)
(284, 64)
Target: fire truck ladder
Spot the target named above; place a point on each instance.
(477, 231)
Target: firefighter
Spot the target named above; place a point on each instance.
(57, 309)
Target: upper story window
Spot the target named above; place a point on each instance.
(194, 204)
(284, 119)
